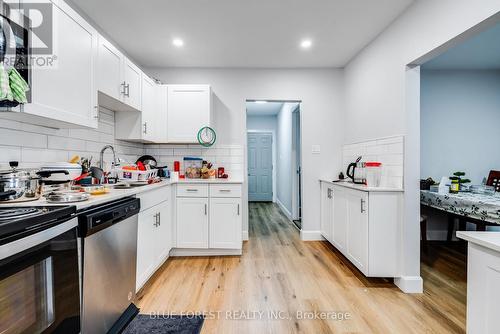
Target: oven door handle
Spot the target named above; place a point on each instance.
(23, 244)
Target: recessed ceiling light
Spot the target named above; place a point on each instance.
(260, 102)
(178, 42)
(306, 44)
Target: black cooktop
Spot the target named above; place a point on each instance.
(21, 221)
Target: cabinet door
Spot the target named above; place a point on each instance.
(340, 219)
(161, 114)
(357, 229)
(132, 76)
(192, 222)
(326, 211)
(225, 223)
(188, 111)
(164, 233)
(146, 245)
(109, 69)
(149, 121)
(66, 91)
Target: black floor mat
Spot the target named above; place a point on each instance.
(173, 324)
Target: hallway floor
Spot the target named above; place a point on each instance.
(283, 277)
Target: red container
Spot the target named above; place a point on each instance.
(220, 172)
(177, 166)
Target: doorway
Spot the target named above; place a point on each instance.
(274, 155)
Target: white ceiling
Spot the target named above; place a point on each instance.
(242, 33)
(264, 109)
(481, 52)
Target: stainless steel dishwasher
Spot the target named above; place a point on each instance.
(109, 245)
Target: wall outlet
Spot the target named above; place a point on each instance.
(316, 149)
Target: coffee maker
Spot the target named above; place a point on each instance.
(356, 171)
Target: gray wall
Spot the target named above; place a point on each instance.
(460, 117)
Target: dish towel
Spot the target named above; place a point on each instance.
(18, 85)
(5, 91)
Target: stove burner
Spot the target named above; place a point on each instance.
(15, 213)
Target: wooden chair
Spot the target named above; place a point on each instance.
(494, 179)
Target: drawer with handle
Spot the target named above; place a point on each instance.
(192, 190)
(225, 190)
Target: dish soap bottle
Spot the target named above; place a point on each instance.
(455, 186)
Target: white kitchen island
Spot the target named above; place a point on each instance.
(483, 281)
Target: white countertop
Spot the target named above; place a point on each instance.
(362, 187)
(115, 194)
(489, 240)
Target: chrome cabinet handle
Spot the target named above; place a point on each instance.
(225, 190)
(127, 90)
(96, 108)
(156, 220)
(206, 210)
(192, 190)
(362, 206)
(159, 218)
(238, 209)
(145, 125)
(123, 84)
(330, 193)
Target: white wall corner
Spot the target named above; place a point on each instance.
(287, 213)
(410, 284)
(311, 236)
(244, 235)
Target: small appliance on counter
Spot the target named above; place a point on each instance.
(373, 171)
(356, 171)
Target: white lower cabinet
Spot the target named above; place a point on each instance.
(154, 234)
(364, 226)
(327, 211)
(225, 223)
(192, 222)
(357, 229)
(208, 219)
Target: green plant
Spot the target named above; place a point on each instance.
(457, 176)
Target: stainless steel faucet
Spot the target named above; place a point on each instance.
(101, 160)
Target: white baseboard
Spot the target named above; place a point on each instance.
(204, 252)
(244, 235)
(410, 284)
(284, 209)
(311, 236)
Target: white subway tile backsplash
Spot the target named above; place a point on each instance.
(43, 156)
(388, 151)
(65, 143)
(10, 153)
(22, 139)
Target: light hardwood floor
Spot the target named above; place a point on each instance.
(279, 272)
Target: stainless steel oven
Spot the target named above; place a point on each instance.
(39, 280)
(15, 45)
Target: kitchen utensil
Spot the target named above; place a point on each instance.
(18, 185)
(355, 171)
(73, 170)
(69, 197)
(147, 160)
(97, 173)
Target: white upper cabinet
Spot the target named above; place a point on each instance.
(109, 69)
(188, 110)
(65, 95)
(150, 124)
(132, 76)
(119, 81)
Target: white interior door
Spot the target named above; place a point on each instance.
(260, 167)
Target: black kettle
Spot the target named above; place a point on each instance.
(351, 172)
